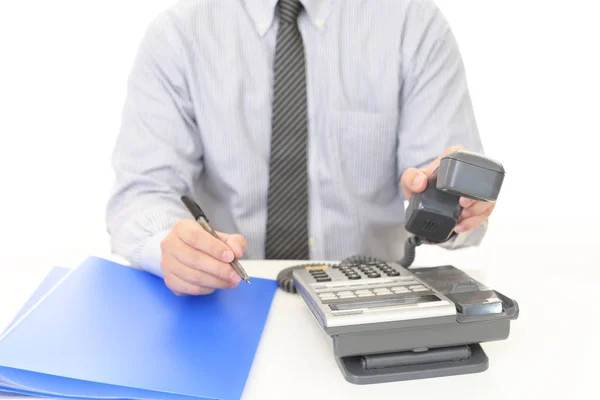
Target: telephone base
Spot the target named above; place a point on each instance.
(355, 370)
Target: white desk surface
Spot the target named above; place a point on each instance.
(552, 349)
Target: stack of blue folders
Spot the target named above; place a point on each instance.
(104, 330)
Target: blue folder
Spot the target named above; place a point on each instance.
(111, 331)
(49, 281)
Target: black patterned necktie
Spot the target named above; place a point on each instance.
(287, 220)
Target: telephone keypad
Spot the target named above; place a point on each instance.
(366, 270)
(366, 281)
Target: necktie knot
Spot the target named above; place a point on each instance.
(289, 10)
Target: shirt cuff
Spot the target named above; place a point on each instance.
(151, 255)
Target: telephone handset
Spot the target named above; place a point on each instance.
(433, 214)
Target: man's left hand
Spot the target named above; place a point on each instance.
(474, 212)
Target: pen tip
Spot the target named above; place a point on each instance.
(247, 280)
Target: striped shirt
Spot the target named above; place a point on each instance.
(386, 91)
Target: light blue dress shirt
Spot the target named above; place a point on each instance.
(386, 91)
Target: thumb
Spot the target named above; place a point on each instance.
(436, 163)
(413, 181)
(237, 243)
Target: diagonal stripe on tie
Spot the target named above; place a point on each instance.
(287, 216)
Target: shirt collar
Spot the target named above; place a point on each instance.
(262, 12)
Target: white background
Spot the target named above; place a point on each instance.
(533, 69)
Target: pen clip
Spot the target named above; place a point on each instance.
(194, 208)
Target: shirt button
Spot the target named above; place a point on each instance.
(312, 243)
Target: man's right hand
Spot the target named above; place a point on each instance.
(194, 262)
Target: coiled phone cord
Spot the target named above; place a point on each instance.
(285, 278)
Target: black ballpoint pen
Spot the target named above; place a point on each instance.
(200, 217)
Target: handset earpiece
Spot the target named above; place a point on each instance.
(472, 175)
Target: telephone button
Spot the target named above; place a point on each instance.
(327, 296)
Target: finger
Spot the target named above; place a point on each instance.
(413, 181)
(182, 288)
(202, 262)
(477, 208)
(468, 224)
(235, 242)
(466, 202)
(435, 163)
(195, 236)
(196, 277)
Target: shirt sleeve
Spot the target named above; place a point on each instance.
(436, 107)
(158, 152)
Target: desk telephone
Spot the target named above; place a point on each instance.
(389, 322)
